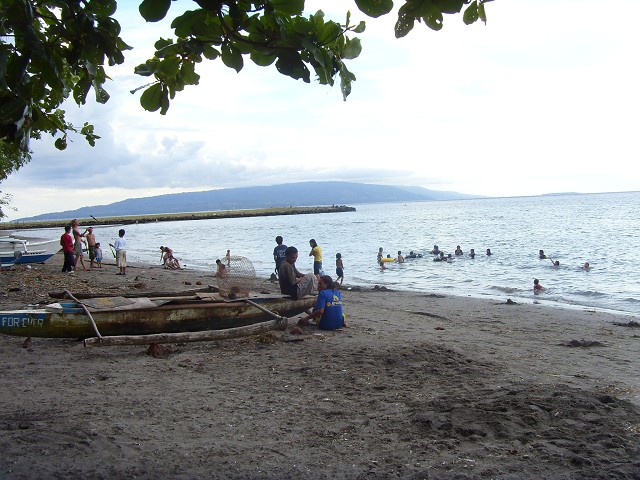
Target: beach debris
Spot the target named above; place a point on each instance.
(382, 288)
(439, 328)
(159, 351)
(27, 343)
(427, 314)
(295, 330)
(510, 302)
(629, 324)
(199, 282)
(582, 343)
(187, 282)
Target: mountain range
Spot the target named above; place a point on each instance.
(284, 195)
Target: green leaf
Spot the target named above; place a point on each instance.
(151, 99)
(328, 33)
(375, 8)
(103, 7)
(164, 101)
(168, 67)
(209, 52)
(232, 57)
(434, 21)
(448, 6)
(288, 7)
(352, 49)
(11, 109)
(481, 13)
(262, 59)
(471, 13)
(188, 73)
(146, 69)
(360, 28)
(290, 63)
(154, 10)
(61, 143)
(405, 23)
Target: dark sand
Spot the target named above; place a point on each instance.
(419, 386)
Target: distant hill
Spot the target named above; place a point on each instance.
(290, 194)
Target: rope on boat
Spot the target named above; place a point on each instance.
(86, 310)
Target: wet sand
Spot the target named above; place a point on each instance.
(418, 386)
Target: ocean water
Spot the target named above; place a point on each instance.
(601, 229)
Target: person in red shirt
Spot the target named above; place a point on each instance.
(67, 248)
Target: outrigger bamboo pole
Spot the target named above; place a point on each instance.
(86, 310)
(208, 335)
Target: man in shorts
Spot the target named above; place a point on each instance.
(91, 242)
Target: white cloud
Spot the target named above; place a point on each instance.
(541, 99)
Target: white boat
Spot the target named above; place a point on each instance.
(26, 250)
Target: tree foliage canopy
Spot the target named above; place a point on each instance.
(51, 50)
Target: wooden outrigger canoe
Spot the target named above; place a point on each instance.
(148, 315)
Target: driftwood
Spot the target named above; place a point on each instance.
(183, 337)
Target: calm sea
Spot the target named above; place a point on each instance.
(601, 229)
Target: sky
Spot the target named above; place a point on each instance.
(542, 99)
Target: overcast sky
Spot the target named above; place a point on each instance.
(542, 99)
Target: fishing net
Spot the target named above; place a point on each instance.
(238, 277)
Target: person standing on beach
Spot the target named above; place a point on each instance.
(278, 253)
(91, 243)
(98, 255)
(292, 282)
(339, 268)
(66, 241)
(77, 244)
(316, 253)
(120, 245)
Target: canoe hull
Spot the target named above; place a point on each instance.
(169, 318)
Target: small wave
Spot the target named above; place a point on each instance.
(632, 300)
(589, 293)
(504, 289)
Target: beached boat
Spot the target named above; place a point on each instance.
(148, 315)
(26, 250)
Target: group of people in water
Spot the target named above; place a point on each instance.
(537, 286)
(439, 256)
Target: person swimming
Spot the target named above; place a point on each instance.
(541, 255)
(436, 250)
(472, 253)
(489, 252)
(536, 286)
(458, 250)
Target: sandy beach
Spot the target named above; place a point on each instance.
(419, 386)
